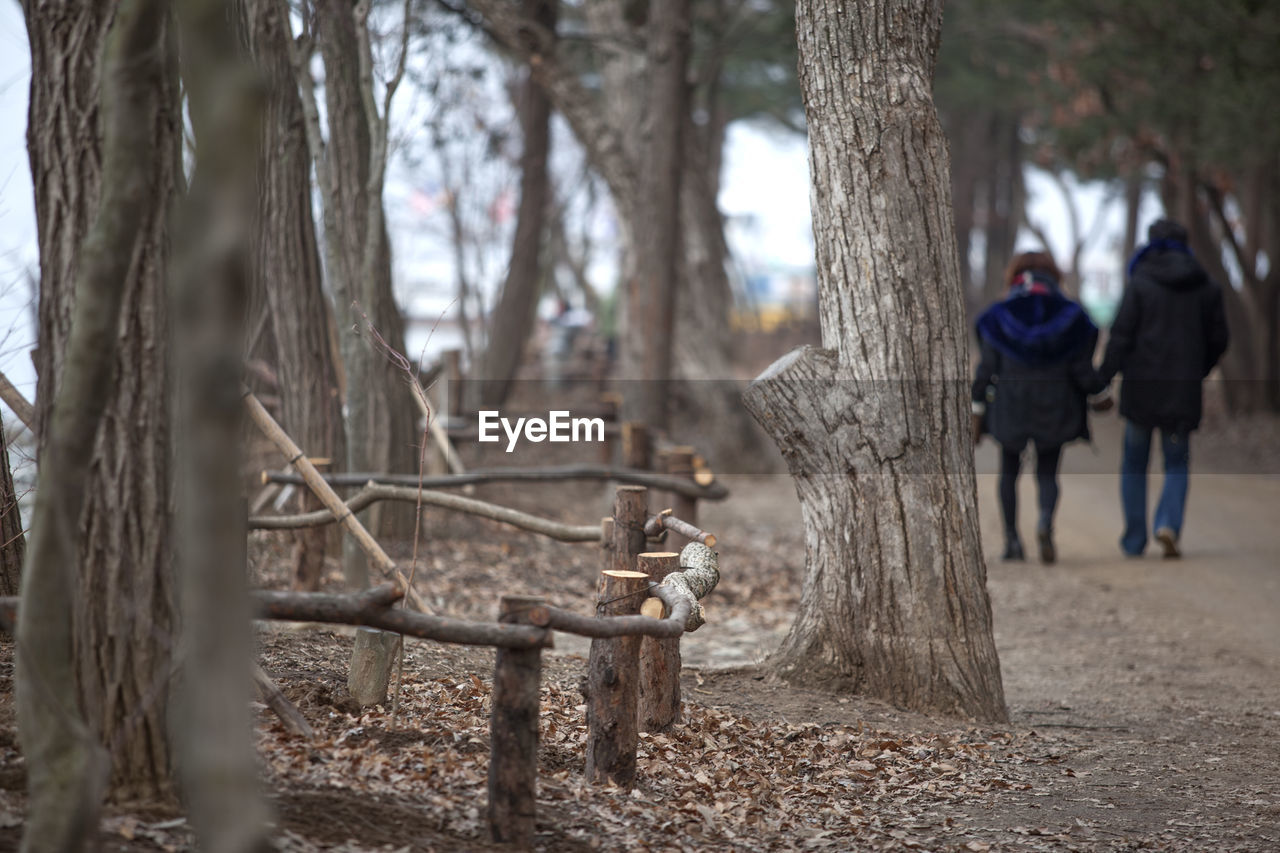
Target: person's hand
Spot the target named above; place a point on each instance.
(976, 421)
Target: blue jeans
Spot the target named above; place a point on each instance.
(1133, 484)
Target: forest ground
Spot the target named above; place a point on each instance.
(1144, 695)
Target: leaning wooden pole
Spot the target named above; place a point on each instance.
(513, 733)
(316, 482)
(612, 684)
(659, 700)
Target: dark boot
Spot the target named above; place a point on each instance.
(1044, 538)
(1013, 547)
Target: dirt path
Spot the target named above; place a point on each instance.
(1144, 694)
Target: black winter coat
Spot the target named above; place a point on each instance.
(1169, 332)
(1037, 360)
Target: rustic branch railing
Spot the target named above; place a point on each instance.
(714, 491)
(564, 532)
(525, 628)
(373, 492)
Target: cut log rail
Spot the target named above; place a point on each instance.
(714, 491)
(373, 492)
(665, 520)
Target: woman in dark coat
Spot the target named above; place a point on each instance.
(1031, 385)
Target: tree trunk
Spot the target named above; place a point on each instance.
(513, 317)
(652, 292)
(285, 270)
(123, 613)
(13, 543)
(874, 425)
(212, 722)
(1004, 201)
(66, 54)
(99, 644)
(381, 421)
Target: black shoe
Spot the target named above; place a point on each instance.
(1169, 542)
(1048, 554)
(1013, 550)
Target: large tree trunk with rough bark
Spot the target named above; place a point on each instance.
(873, 424)
(285, 273)
(514, 315)
(381, 420)
(123, 611)
(96, 643)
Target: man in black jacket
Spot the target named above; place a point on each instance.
(1170, 331)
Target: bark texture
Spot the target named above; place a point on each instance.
(659, 702)
(872, 425)
(123, 611)
(285, 271)
(613, 670)
(513, 733)
(66, 768)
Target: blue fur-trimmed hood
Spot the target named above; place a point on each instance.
(1038, 326)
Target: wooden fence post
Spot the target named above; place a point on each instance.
(659, 657)
(372, 659)
(612, 681)
(679, 463)
(513, 733)
(635, 446)
(611, 404)
(630, 512)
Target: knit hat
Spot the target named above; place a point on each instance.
(1166, 229)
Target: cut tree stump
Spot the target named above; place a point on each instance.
(372, 659)
(659, 700)
(612, 682)
(513, 733)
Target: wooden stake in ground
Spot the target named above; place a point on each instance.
(513, 733)
(612, 676)
(635, 446)
(630, 513)
(372, 658)
(679, 463)
(659, 703)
